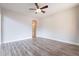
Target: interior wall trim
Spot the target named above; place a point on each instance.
(73, 43)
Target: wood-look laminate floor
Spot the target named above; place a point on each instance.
(39, 47)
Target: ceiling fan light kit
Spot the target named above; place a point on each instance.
(38, 10)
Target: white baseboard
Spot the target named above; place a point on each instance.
(73, 43)
(46, 38)
(16, 40)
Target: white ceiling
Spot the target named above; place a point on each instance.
(24, 8)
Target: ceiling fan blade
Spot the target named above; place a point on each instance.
(32, 9)
(36, 4)
(43, 11)
(44, 7)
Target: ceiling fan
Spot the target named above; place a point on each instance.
(38, 9)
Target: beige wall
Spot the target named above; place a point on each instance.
(16, 26)
(62, 26)
(0, 26)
